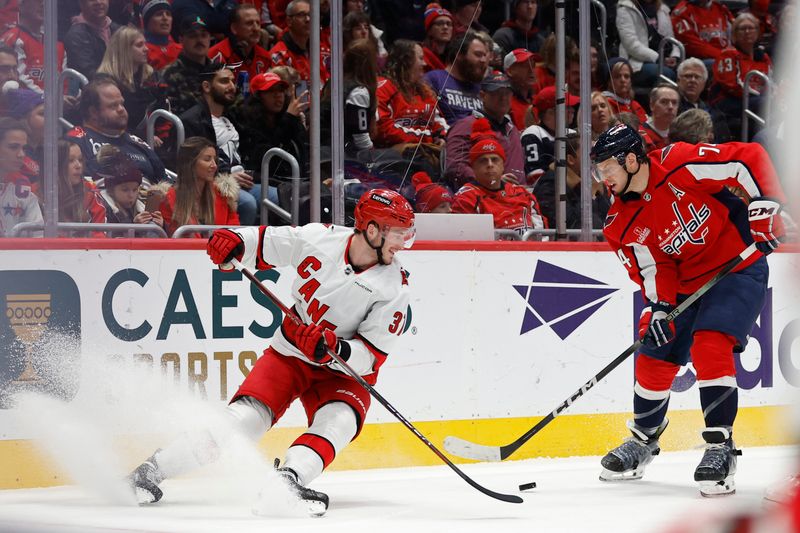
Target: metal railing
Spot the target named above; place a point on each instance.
(62, 77)
(266, 203)
(600, 6)
(661, 49)
(72, 227)
(182, 231)
(180, 133)
(746, 113)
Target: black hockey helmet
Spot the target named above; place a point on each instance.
(618, 141)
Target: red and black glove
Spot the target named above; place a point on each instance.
(313, 340)
(654, 328)
(766, 225)
(224, 245)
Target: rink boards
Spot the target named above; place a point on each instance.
(499, 335)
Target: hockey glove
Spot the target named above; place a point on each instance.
(224, 245)
(313, 340)
(766, 225)
(654, 328)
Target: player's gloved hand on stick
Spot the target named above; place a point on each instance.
(654, 328)
(766, 225)
(224, 245)
(313, 340)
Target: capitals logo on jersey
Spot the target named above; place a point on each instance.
(685, 230)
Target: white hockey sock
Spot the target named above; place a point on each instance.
(191, 450)
(333, 427)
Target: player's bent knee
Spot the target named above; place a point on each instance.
(654, 374)
(337, 422)
(251, 417)
(712, 355)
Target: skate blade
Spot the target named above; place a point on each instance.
(714, 489)
(316, 509)
(631, 475)
(144, 496)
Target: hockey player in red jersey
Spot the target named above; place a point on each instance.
(674, 224)
(351, 295)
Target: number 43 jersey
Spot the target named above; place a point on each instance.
(368, 308)
(692, 217)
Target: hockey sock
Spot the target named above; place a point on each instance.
(333, 427)
(712, 353)
(651, 392)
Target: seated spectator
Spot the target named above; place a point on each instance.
(511, 205)
(241, 50)
(357, 6)
(620, 90)
(546, 68)
(157, 24)
(28, 107)
(407, 112)
(692, 77)
(88, 37)
(767, 24)
(466, 15)
(26, 40)
(732, 66)
(663, 110)
(216, 14)
(292, 48)
(602, 116)
(9, 78)
(211, 118)
(704, 28)
(19, 202)
(183, 77)
(642, 25)
(496, 102)
(142, 88)
(520, 31)
(458, 85)
(199, 195)
(438, 33)
(120, 195)
(693, 126)
(520, 67)
(266, 121)
(360, 99)
(538, 140)
(78, 198)
(356, 26)
(597, 67)
(105, 121)
(430, 197)
(545, 191)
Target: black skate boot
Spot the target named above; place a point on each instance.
(627, 461)
(715, 472)
(317, 502)
(145, 480)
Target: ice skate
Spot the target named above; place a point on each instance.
(315, 501)
(145, 480)
(627, 461)
(715, 472)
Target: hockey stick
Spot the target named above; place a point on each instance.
(375, 394)
(470, 450)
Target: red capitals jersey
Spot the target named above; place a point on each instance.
(686, 224)
(705, 32)
(161, 56)
(30, 57)
(289, 54)
(733, 65)
(511, 206)
(402, 121)
(257, 62)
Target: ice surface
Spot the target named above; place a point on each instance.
(569, 498)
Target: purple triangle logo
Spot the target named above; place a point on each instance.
(561, 299)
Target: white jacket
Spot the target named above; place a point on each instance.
(632, 30)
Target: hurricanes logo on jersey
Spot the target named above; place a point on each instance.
(685, 230)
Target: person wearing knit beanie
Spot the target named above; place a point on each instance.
(433, 12)
(157, 26)
(485, 142)
(438, 33)
(430, 197)
(22, 101)
(151, 7)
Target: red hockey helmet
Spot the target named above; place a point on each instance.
(389, 210)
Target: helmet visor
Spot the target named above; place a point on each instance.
(406, 236)
(603, 170)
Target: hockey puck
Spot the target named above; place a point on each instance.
(527, 486)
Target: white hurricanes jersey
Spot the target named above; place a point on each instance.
(368, 308)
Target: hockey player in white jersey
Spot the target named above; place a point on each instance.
(351, 295)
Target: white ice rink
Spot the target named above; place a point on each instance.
(569, 497)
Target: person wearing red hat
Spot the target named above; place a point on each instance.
(520, 31)
(430, 197)
(520, 67)
(538, 140)
(511, 205)
(438, 32)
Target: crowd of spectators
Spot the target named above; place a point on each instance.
(424, 85)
